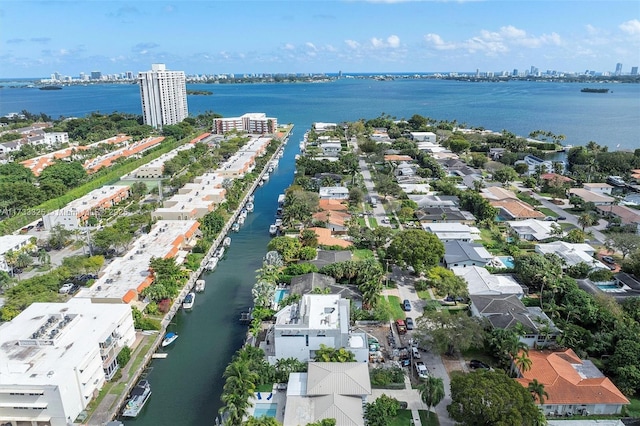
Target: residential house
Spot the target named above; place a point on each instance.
(445, 215)
(507, 312)
(324, 127)
(592, 197)
(598, 188)
(334, 192)
(325, 238)
(331, 148)
(497, 193)
(574, 386)
(462, 254)
(430, 200)
(423, 137)
(572, 254)
(317, 319)
(452, 231)
(328, 390)
(481, 282)
(628, 280)
(329, 257)
(532, 229)
(537, 164)
(627, 215)
(307, 283)
(514, 209)
(406, 169)
(554, 178)
(336, 221)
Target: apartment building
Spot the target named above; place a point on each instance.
(75, 214)
(163, 95)
(56, 357)
(194, 200)
(254, 122)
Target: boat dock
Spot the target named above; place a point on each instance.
(159, 355)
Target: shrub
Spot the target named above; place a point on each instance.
(124, 356)
(164, 305)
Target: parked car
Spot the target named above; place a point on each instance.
(550, 219)
(421, 369)
(406, 305)
(401, 326)
(74, 289)
(415, 353)
(409, 322)
(562, 218)
(65, 288)
(608, 259)
(474, 364)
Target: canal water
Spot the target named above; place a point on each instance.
(188, 383)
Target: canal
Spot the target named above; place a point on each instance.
(188, 383)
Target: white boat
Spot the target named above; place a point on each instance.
(235, 227)
(211, 264)
(250, 199)
(200, 285)
(138, 398)
(244, 213)
(241, 220)
(278, 223)
(265, 177)
(226, 242)
(189, 300)
(249, 207)
(219, 253)
(273, 229)
(169, 338)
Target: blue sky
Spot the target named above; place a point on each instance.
(313, 36)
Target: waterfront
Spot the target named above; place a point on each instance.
(521, 107)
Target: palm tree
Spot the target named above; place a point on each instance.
(522, 362)
(586, 220)
(537, 391)
(431, 392)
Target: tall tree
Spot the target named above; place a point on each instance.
(431, 392)
(416, 248)
(537, 391)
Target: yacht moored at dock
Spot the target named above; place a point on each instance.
(189, 300)
(200, 286)
(226, 242)
(211, 264)
(273, 229)
(138, 398)
(169, 338)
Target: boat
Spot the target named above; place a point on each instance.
(189, 300)
(169, 338)
(219, 252)
(138, 398)
(249, 207)
(235, 227)
(50, 88)
(246, 317)
(226, 242)
(265, 177)
(616, 181)
(250, 198)
(200, 285)
(273, 229)
(241, 220)
(592, 90)
(211, 264)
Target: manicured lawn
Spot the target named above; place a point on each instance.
(395, 307)
(267, 387)
(428, 419)
(547, 212)
(361, 222)
(528, 199)
(362, 254)
(403, 418)
(373, 222)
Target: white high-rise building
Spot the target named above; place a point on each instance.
(164, 96)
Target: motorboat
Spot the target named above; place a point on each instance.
(273, 229)
(235, 227)
(249, 207)
(138, 398)
(211, 264)
(226, 242)
(265, 177)
(241, 220)
(200, 285)
(169, 338)
(189, 300)
(219, 252)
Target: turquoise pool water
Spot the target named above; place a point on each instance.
(507, 260)
(608, 287)
(281, 293)
(268, 410)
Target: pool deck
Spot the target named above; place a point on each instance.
(278, 397)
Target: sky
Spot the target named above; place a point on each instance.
(38, 38)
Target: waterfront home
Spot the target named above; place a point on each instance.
(626, 215)
(329, 257)
(336, 221)
(572, 254)
(325, 238)
(308, 283)
(598, 188)
(554, 178)
(252, 122)
(317, 319)
(591, 197)
(506, 311)
(536, 164)
(320, 127)
(57, 356)
(331, 148)
(532, 229)
(463, 253)
(334, 192)
(328, 390)
(574, 386)
(481, 282)
(423, 137)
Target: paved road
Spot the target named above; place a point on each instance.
(378, 210)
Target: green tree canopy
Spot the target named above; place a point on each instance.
(416, 248)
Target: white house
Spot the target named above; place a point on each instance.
(532, 229)
(334, 193)
(423, 137)
(56, 357)
(598, 188)
(452, 231)
(481, 282)
(572, 254)
(331, 149)
(317, 319)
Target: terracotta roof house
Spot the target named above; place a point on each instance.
(326, 239)
(574, 385)
(506, 311)
(514, 209)
(336, 221)
(333, 205)
(551, 177)
(628, 216)
(397, 157)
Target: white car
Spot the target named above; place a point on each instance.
(415, 353)
(421, 369)
(65, 288)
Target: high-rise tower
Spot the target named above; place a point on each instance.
(164, 96)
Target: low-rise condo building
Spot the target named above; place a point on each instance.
(56, 357)
(254, 122)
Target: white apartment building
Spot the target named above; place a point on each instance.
(11, 243)
(164, 96)
(317, 319)
(56, 357)
(75, 214)
(194, 200)
(253, 122)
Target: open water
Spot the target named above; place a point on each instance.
(188, 383)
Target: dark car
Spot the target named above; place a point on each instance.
(562, 218)
(74, 289)
(409, 322)
(474, 363)
(406, 305)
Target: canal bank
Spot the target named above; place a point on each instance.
(188, 383)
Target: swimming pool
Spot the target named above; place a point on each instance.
(507, 260)
(280, 294)
(609, 287)
(268, 410)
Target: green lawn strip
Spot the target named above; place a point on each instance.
(267, 387)
(424, 294)
(395, 307)
(373, 222)
(135, 363)
(566, 226)
(547, 212)
(118, 388)
(428, 418)
(403, 418)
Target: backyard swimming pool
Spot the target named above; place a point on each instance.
(268, 410)
(507, 260)
(280, 294)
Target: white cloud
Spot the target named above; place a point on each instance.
(352, 44)
(310, 46)
(438, 43)
(377, 42)
(393, 41)
(631, 27)
(289, 46)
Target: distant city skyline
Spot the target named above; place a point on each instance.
(271, 37)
